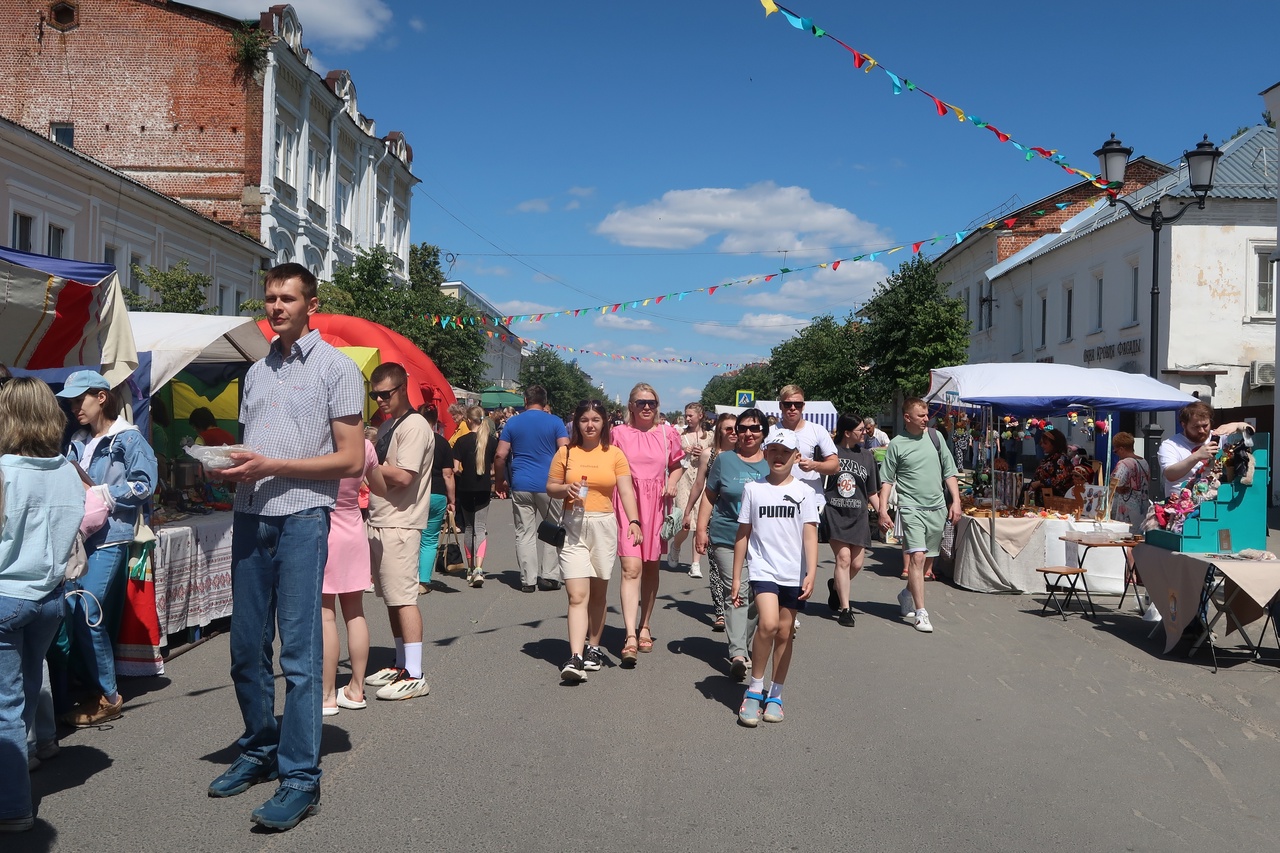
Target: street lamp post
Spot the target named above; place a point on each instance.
(1113, 157)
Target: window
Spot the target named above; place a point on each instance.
(57, 245)
(342, 203)
(63, 134)
(1019, 334)
(109, 256)
(1044, 320)
(286, 151)
(1097, 303)
(317, 171)
(1135, 289)
(23, 226)
(382, 218)
(1068, 308)
(1266, 280)
(135, 264)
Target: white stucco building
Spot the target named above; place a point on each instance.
(60, 202)
(501, 358)
(1081, 295)
(329, 184)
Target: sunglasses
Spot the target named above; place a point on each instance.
(792, 404)
(645, 404)
(729, 429)
(378, 396)
(751, 428)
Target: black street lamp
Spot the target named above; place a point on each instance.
(1113, 157)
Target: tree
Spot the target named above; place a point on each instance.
(823, 359)
(179, 290)
(721, 390)
(566, 383)
(366, 289)
(912, 326)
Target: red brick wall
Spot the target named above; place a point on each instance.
(152, 90)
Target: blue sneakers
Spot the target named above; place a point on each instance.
(749, 713)
(287, 808)
(240, 777)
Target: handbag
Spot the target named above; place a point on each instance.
(548, 531)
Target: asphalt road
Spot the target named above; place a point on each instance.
(1003, 730)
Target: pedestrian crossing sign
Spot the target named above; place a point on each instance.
(746, 398)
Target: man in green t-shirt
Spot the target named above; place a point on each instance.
(919, 463)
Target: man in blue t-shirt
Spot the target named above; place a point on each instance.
(530, 440)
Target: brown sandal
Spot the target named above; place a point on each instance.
(629, 649)
(646, 644)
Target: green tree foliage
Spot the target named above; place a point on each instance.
(824, 360)
(721, 390)
(912, 326)
(566, 384)
(177, 290)
(366, 289)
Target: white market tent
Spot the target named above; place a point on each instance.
(820, 412)
(1052, 388)
(176, 340)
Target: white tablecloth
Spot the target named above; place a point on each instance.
(979, 568)
(193, 572)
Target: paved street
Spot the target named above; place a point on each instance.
(1001, 731)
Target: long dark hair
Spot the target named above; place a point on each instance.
(846, 422)
(575, 434)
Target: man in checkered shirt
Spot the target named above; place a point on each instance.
(301, 411)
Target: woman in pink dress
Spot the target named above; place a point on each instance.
(346, 577)
(654, 454)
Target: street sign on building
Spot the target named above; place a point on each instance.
(746, 398)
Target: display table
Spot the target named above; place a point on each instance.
(193, 572)
(1177, 584)
(980, 569)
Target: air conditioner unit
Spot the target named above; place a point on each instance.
(1262, 373)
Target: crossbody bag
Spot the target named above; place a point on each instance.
(548, 531)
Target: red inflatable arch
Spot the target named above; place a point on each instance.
(426, 383)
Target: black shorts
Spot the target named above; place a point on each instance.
(788, 596)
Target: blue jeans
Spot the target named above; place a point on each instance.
(26, 630)
(103, 578)
(431, 538)
(277, 570)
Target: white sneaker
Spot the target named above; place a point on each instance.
(404, 687)
(906, 603)
(923, 625)
(695, 570)
(386, 675)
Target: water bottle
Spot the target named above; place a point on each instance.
(579, 507)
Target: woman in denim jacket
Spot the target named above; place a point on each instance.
(43, 504)
(122, 466)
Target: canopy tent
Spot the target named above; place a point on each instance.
(59, 313)
(426, 382)
(821, 412)
(176, 340)
(494, 397)
(1052, 388)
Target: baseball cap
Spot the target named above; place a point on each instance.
(784, 437)
(82, 382)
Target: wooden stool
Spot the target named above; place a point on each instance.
(1075, 576)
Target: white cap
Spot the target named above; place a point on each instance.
(784, 437)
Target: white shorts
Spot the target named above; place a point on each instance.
(590, 548)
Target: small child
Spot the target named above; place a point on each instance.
(778, 527)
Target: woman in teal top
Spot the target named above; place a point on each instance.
(718, 526)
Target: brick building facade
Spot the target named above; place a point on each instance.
(189, 102)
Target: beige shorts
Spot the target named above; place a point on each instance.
(683, 487)
(393, 551)
(590, 552)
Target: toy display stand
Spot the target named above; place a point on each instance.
(1234, 521)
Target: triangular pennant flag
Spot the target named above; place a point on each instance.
(871, 63)
(1010, 222)
(818, 31)
(711, 290)
(835, 265)
(784, 270)
(960, 235)
(959, 113)
(1062, 205)
(894, 249)
(915, 247)
(769, 7)
(897, 84)
(770, 277)
(942, 108)
(1003, 137)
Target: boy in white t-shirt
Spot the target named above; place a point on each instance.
(778, 528)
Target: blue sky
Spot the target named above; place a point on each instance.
(583, 153)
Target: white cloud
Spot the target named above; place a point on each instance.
(417, 24)
(761, 216)
(835, 290)
(758, 328)
(534, 205)
(581, 192)
(690, 393)
(573, 205)
(631, 324)
(343, 24)
(523, 306)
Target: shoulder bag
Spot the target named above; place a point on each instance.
(548, 531)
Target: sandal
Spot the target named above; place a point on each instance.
(929, 576)
(718, 625)
(629, 649)
(646, 643)
(772, 714)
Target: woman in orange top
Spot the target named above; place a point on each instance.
(591, 533)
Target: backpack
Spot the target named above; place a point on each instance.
(937, 446)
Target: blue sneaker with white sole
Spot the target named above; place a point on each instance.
(749, 713)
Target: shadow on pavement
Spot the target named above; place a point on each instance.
(549, 650)
(40, 838)
(710, 651)
(889, 611)
(73, 767)
(720, 689)
(698, 611)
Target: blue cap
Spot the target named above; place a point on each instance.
(82, 382)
